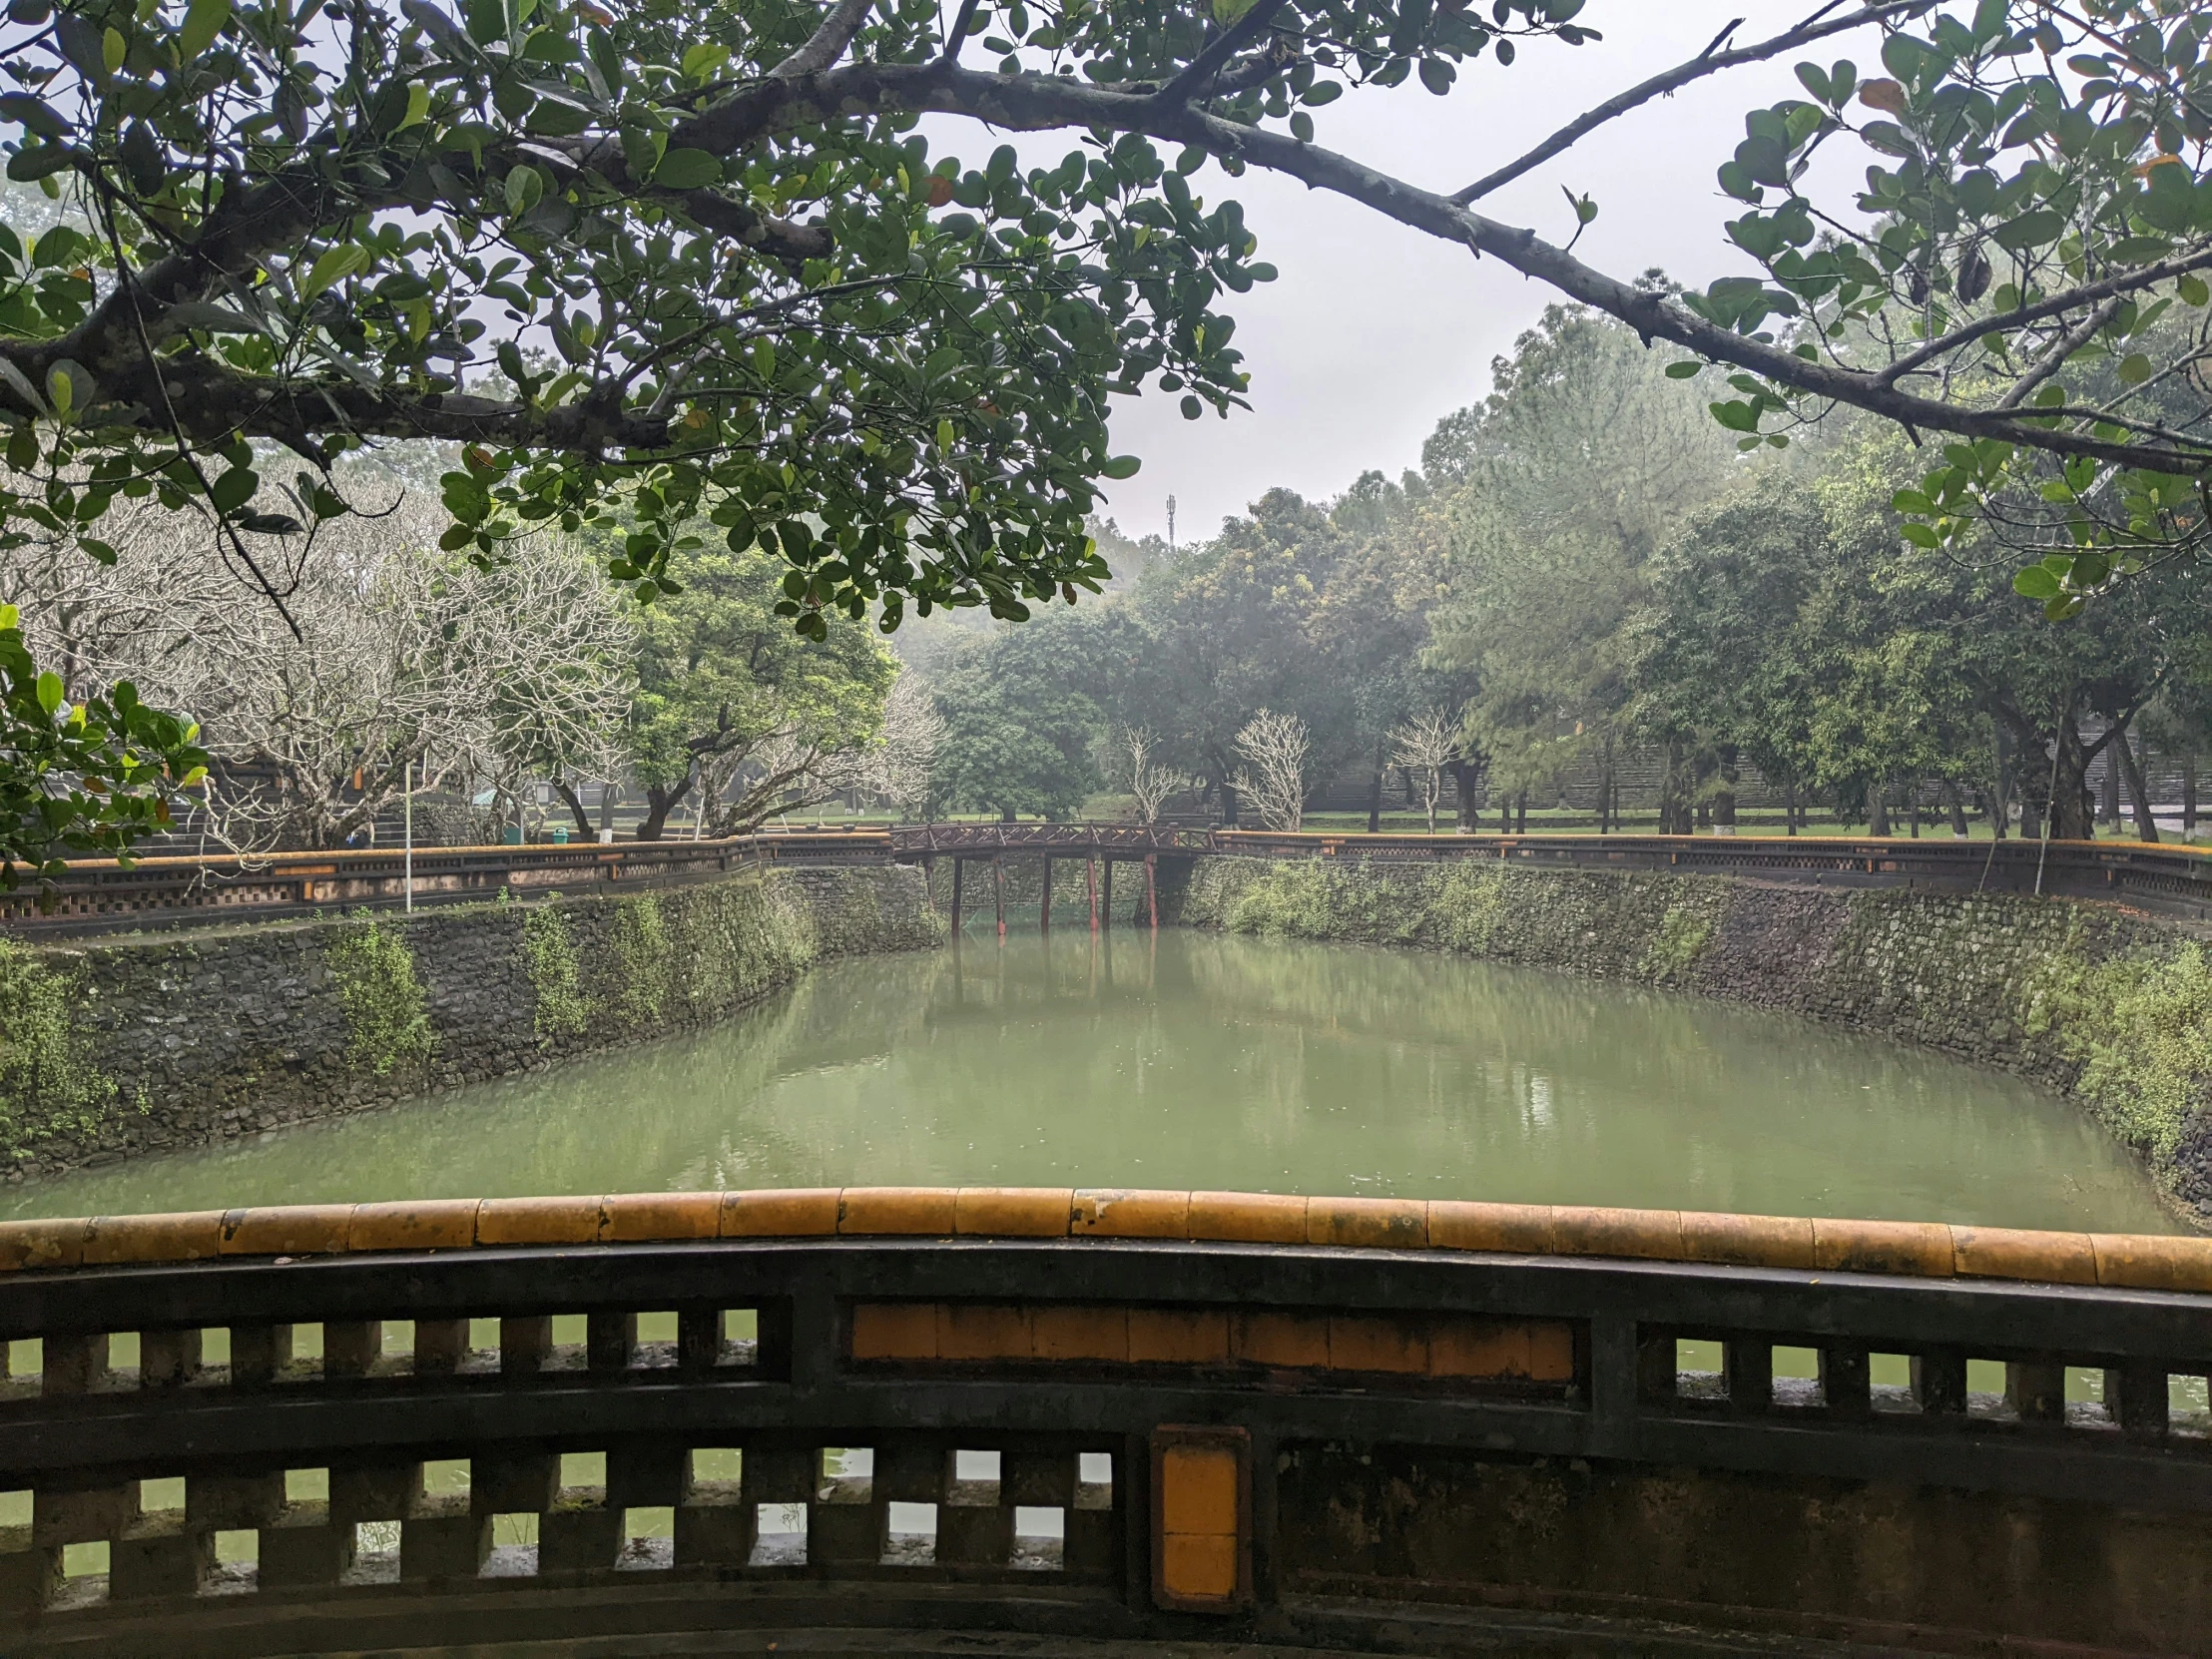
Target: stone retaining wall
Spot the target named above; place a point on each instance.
(167, 1040)
(2110, 1007)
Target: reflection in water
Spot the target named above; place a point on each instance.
(1194, 1060)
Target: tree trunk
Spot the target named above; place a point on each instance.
(659, 802)
(1958, 801)
(1467, 816)
(1670, 788)
(1005, 814)
(2073, 818)
(1912, 804)
(1877, 809)
(1374, 803)
(610, 796)
(575, 803)
(1789, 806)
(2138, 787)
(2189, 796)
(1723, 803)
(1228, 803)
(2110, 816)
(1520, 814)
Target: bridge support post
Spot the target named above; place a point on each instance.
(1044, 915)
(958, 868)
(1152, 889)
(1090, 886)
(1108, 894)
(999, 891)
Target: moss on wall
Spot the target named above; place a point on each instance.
(385, 1018)
(641, 960)
(2113, 1008)
(2138, 1024)
(129, 1045)
(50, 1083)
(559, 1006)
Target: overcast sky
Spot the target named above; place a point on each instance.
(1374, 331)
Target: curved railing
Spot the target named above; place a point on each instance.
(1078, 1416)
(106, 893)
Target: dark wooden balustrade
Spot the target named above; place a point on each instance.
(1434, 1429)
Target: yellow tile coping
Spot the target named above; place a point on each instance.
(1926, 1250)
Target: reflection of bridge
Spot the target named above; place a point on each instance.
(1099, 846)
(1000, 1421)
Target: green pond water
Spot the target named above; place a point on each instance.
(1192, 1060)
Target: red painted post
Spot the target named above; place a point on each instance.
(1152, 889)
(998, 890)
(958, 866)
(1090, 884)
(1044, 917)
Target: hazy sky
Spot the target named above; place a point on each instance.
(1373, 330)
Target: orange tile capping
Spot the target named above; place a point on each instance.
(1110, 1217)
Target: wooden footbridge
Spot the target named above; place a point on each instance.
(1099, 846)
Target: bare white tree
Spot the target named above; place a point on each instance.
(1149, 782)
(781, 771)
(1423, 746)
(899, 768)
(405, 658)
(1274, 748)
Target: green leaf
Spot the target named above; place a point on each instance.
(331, 265)
(1226, 12)
(49, 691)
(1684, 370)
(2192, 290)
(524, 188)
(418, 106)
(233, 489)
(1920, 535)
(114, 49)
(202, 22)
(35, 114)
(2031, 229)
(686, 170)
(1910, 501)
(1121, 466)
(2134, 370)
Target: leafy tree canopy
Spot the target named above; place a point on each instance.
(725, 686)
(1018, 724)
(722, 275)
(88, 778)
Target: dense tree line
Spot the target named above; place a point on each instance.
(1586, 565)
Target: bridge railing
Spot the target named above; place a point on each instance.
(1078, 1415)
(916, 841)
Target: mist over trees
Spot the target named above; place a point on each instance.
(1586, 567)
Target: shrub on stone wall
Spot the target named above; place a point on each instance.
(48, 1083)
(387, 1023)
(559, 1006)
(2140, 1025)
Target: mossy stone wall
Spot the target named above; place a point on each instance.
(2112, 1009)
(180, 1039)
